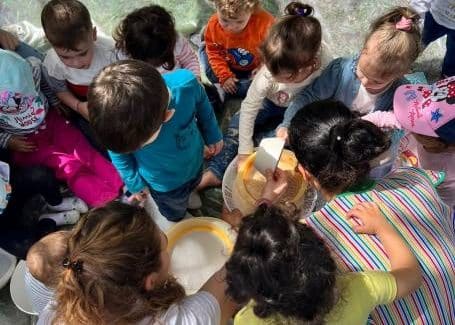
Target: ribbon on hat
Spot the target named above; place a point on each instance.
(404, 24)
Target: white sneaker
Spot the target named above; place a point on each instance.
(194, 201)
(68, 204)
(63, 218)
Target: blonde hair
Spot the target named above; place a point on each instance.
(110, 253)
(44, 258)
(232, 8)
(396, 49)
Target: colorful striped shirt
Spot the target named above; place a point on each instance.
(410, 202)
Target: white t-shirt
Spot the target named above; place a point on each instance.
(199, 309)
(364, 101)
(56, 70)
(443, 11)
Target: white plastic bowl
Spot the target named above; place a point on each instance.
(7, 265)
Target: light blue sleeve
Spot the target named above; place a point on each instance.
(205, 116)
(323, 87)
(127, 167)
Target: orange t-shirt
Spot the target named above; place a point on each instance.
(227, 51)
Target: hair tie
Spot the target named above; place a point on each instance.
(304, 12)
(338, 138)
(76, 266)
(404, 24)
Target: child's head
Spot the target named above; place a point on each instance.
(333, 147)
(283, 266)
(428, 111)
(68, 27)
(234, 15)
(148, 34)
(116, 269)
(128, 103)
(44, 258)
(291, 48)
(390, 48)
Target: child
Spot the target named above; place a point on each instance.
(232, 38)
(292, 60)
(439, 21)
(428, 111)
(77, 55)
(334, 149)
(38, 137)
(44, 265)
(149, 34)
(116, 271)
(150, 123)
(288, 274)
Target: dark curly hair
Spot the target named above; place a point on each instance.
(277, 262)
(148, 34)
(334, 145)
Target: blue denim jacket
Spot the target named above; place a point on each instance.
(338, 81)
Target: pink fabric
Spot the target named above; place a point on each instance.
(383, 119)
(404, 24)
(63, 148)
(422, 109)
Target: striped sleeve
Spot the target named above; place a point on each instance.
(186, 57)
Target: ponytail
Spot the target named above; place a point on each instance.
(333, 145)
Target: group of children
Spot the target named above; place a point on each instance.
(127, 119)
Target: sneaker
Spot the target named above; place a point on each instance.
(194, 201)
(62, 218)
(70, 203)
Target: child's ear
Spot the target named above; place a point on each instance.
(310, 179)
(94, 34)
(168, 115)
(150, 281)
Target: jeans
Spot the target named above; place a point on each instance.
(173, 204)
(268, 118)
(244, 76)
(431, 32)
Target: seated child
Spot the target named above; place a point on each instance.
(428, 112)
(44, 265)
(232, 38)
(439, 21)
(37, 136)
(155, 127)
(149, 34)
(116, 271)
(77, 55)
(292, 60)
(286, 273)
(368, 81)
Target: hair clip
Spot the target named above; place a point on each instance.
(302, 12)
(338, 138)
(404, 24)
(76, 266)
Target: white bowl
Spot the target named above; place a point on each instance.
(7, 265)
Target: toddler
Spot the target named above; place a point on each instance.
(428, 112)
(77, 55)
(232, 38)
(149, 34)
(37, 136)
(439, 21)
(155, 127)
(44, 265)
(288, 274)
(291, 54)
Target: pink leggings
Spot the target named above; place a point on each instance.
(64, 148)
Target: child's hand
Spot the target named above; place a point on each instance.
(82, 108)
(230, 85)
(282, 133)
(241, 160)
(21, 144)
(371, 218)
(234, 217)
(275, 186)
(138, 198)
(214, 149)
(8, 41)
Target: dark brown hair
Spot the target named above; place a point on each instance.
(293, 42)
(127, 102)
(114, 248)
(396, 49)
(148, 34)
(66, 23)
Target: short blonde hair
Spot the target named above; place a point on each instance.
(232, 8)
(397, 49)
